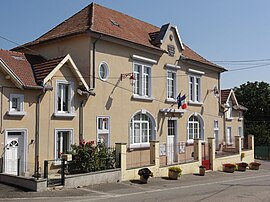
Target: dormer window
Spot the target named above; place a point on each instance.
(16, 105)
(229, 110)
(64, 98)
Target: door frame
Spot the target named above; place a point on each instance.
(175, 141)
(24, 132)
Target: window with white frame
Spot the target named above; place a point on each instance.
(16, 104)
(63, 141)
(103, 130)
(103, 71)
(142, 85)
(142, 130)
(64, 93)
(240, 131)
(194, 88)
(229, 135)
(195, 128)
(229, 110)
(171, 84)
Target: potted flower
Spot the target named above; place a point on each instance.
(229, 167)
(241, 166)
(174, 172)
(254, 166)
(202, 170)
(242, 156)
(144, 174)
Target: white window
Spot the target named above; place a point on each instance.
(229, 110)
(142, 130)
(103, 71)
(195, 128)
(103, 130)
(63, 142)
(229, 135)
(194, 88)
(240, 116)
(142, 85)
(216, 133)
(240, 131)
(16, 104)
(171, 84)
(64, 98)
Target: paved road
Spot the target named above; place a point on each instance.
(215, 186)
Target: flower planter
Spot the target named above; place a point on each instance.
(173, 175)
(202, 170)
(144, 174)
(229, 168)
(254, 166)
(242, 167)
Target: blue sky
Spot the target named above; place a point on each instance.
(218, 30)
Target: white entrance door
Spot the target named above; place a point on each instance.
(14, 151)
(171, 142)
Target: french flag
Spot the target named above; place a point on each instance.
(181, 101)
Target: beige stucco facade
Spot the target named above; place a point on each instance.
(115, 98)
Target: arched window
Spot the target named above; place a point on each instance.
(142, 130)
(195, 128)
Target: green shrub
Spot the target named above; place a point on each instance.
(176, 169)
(87, 157)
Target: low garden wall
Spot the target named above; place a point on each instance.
(24, 182)
(99, 177)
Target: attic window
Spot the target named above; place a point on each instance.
(115, 23)
(18, 57)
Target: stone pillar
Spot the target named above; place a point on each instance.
(251, 142)
(121, 157)
(212, 152)
(154, 153)
(237, 142)
(198, 150)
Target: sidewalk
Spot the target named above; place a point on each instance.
(127, 187)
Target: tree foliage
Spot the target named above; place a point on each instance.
(256, 97)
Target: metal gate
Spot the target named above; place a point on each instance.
(54, 179)
(205, 156)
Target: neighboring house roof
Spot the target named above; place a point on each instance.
(18, 66)
(226, 94)
(32, 70)
(102, 20)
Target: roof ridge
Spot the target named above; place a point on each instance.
(81, 10)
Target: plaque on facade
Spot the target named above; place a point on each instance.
(182, 147)
(162, 150)
(171, 50)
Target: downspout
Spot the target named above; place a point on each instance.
(94, 62)
(81, 114)
(37, 133)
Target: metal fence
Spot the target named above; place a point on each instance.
(262, 152)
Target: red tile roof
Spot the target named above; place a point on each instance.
(224, 95)
(41, 70)
(20, 66)
(109, 22)
(30, 69)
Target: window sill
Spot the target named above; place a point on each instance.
(191, 142)
(67, 115)
(240, 119)
(144, 98)
(190, 102)
(229, 119)
(13, 113)
(171, 100)
(139, 146)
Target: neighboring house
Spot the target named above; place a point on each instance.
(38, 96)
(136, 72)
(233, 117)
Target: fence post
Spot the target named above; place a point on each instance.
(18, 167)
(198, 150)
(238, 147)
(63, 172)
(121, 158)
(251, 142)
(46, 169)
(212, 152)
